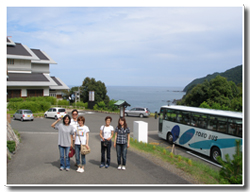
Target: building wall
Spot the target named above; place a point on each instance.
(40, 68)
(24, 90)
(20, 65)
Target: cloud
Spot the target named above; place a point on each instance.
(134, 41)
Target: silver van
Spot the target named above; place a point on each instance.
(138, 111)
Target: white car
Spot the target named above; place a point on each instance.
(55, 112)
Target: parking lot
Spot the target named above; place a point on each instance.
(94, 120)
(37, 159)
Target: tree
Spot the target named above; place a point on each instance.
(90, 84)
(217, 93)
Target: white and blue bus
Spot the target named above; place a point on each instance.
(207, 131)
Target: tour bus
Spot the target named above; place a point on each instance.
(207, 131)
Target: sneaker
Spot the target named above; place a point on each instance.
(106, 166)
(61, 168)
(101, 165)
(67, 169)
(81, 170)
(78, 170)
(123, 168)
(119, 167)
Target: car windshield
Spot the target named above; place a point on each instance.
(27, 112)
(61, 110)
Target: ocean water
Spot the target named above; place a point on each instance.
(151, 97)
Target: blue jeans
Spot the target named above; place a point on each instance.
(103, 149)
(78, 154)
(121, 150)
(64, 152)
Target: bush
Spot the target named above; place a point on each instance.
(19, 99)
(35, 104)
(11, 146)
(63, 102)
(231, 171)
(80, 104)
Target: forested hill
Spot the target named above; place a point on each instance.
(234, 74)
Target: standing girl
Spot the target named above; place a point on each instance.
(122, 139)
(106, 134)
(65, 140)
(81, 137)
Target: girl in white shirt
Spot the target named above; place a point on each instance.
(106, 133)
(81, 137)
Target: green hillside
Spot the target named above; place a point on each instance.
(234, 74)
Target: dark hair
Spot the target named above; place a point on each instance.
(125, 124)
(81, 118)
(74, 111)
(108, 117)
(65, 118)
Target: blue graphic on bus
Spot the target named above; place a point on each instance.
(221, 143)
(187, 136)
(175, 132)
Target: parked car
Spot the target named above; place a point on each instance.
(138, 111)
(24, 114)
(55, 112)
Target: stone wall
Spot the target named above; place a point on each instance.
(11, 136)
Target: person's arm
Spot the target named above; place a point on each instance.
(128, 140)
(101, 135)
(115, 139)
(87, 139)
(54, 124)
(71, 137)
(112, 134)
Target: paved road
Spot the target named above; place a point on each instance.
(37, 159)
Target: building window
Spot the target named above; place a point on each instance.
(35, 92)
(10, 61)
(13, 94)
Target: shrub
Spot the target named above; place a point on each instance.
(179, 158)
(80, 104)
(31, 105)
(35, 104)
(101, 105)
(11, 146)
(190, 162)
(171, 155)
(164, 151)
(63, 102)
(231, 170)
(19, 99)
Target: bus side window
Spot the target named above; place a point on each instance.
(173, 116)
(235, 127)
(178, 117)
(222, 125)
(212, 123)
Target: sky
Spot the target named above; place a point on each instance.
(132, 46)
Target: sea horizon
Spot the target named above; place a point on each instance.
(152, 97)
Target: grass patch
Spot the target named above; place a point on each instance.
(201, 172)
(11, 146)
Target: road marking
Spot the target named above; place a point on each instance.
(49, 133)
(204, 159)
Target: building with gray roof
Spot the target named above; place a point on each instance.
(28, 73)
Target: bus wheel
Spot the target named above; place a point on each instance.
(215, 153)
(170, 138)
